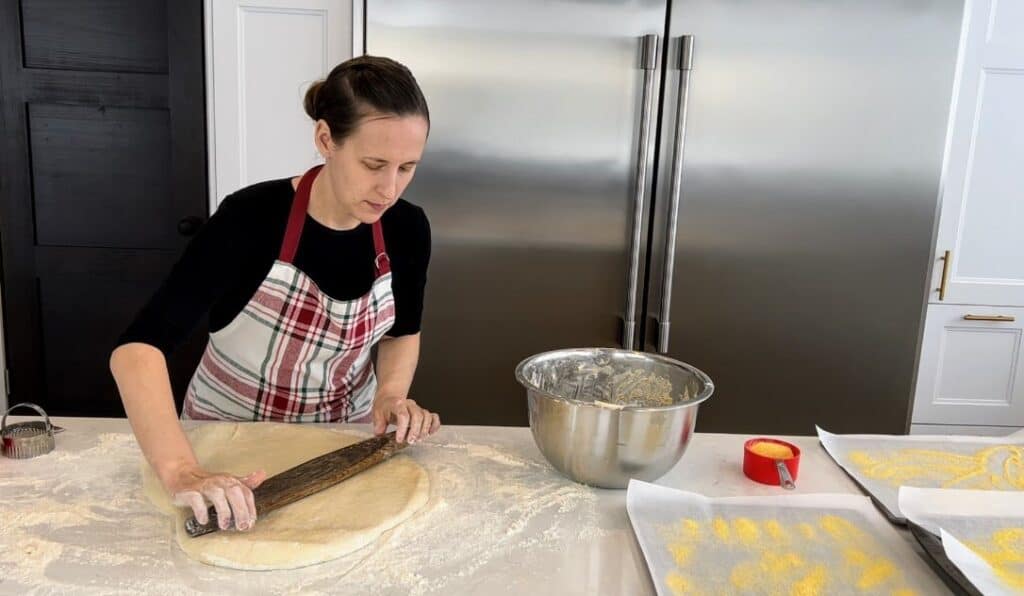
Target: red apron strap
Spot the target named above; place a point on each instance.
(382, 262)
(297, 216)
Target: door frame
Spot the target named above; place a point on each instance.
(225, 94)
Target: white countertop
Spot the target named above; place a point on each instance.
(500, 520)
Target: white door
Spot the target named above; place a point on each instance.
(982, 215)
(262, 55)
(972, 367)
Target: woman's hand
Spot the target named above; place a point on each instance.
(411, 422)
(231, 496)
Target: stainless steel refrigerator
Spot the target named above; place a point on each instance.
(749, 186)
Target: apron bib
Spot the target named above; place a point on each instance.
(294, 354)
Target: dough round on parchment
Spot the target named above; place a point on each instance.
(321, 527)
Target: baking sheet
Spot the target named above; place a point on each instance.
(982, 533)
(880, 464)
(799, 544)
(932, 545)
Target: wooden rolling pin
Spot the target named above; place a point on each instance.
(308, 478)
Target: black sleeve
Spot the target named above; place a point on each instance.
(209, 265)
(410, 277)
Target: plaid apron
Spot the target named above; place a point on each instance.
(294, 354)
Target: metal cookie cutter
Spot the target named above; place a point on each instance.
(23, 440)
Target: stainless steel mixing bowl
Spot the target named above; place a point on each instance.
(580, 425)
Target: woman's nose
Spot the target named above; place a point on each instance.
(389, 186)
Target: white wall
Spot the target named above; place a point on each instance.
(261, 56)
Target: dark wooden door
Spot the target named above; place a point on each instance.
(103, 156)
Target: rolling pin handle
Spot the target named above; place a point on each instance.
(194, 528)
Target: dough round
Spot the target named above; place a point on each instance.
(321, 527)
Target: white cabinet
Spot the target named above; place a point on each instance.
(971, 370)
(261, 56)
(981, 221)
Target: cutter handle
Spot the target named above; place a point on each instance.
(3, 424)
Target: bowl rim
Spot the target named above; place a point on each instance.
(709, 385)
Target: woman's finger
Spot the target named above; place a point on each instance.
(250, 502)
(380, 421)
(194, 501)
(415, 422)
(401, 423)
(220, 503)
(239, 506)
(251, 482)
(428, 419)
(255, 479)
(435, 423)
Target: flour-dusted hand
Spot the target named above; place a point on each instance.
(412, 422)
(230, 496)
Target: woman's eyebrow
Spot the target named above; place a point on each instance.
(382, 160)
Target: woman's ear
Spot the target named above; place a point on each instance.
(322, 139)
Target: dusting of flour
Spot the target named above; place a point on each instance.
(76, 520)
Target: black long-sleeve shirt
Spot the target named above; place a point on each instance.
(231, 255)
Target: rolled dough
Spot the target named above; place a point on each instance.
(321, 527)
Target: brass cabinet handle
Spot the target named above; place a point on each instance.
(993, 318)
(945, 275)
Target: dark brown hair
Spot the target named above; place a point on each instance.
(362, 86)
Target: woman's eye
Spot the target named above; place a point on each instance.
(373, 167)
(405, 168)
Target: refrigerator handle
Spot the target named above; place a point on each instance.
(649, 54)
(685, 65)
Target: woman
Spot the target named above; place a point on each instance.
(300, 279)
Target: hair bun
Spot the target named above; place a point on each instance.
(362, 86)
(310, 103)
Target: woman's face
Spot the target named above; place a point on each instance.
(371, 167)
